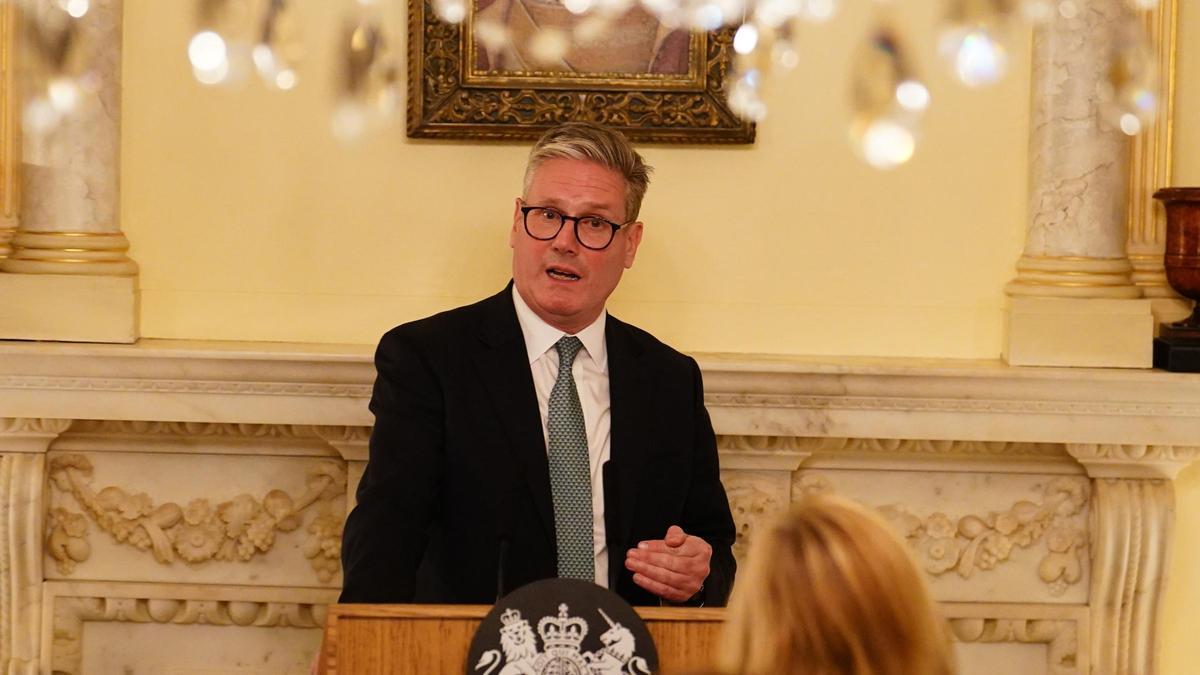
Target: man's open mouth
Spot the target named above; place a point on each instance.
(562, 275)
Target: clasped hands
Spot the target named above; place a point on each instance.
(673, 568)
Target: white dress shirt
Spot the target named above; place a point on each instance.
(590, 371)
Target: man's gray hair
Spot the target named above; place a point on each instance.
(595, 143)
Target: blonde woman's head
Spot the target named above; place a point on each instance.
(828, 589)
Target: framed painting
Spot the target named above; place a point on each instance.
(495, 77)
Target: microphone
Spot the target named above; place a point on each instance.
(500, 565)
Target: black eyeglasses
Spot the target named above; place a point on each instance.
(544, 223)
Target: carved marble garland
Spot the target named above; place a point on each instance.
(234, 530)
(981, 542)
(968, 543)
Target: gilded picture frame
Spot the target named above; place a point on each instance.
(456, 91)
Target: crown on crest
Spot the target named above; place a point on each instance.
(510, 616)
(512, 624)
(563, 632)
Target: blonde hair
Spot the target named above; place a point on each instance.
(593, 142)
(829, 590)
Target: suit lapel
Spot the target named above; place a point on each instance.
(503, 366)
(630, 397)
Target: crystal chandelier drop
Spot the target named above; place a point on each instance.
(234, 40)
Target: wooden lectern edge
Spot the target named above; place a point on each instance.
(412, 611)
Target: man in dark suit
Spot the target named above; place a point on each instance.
(491, 466)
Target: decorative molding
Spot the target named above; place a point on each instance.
(1060, 637)
(21, 487)
(234, 530)
(1152, 462)
(89, 253)
(223, 430)
(1132, 521)
(70, 614)
(21, 425)
(949, 405)
(751, 501)
(29, 435)
(298, 440)
(891, 446)
(351, 442)
(156, 386)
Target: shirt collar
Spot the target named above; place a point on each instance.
(541, 336)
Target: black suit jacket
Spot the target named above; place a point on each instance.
(458, 464)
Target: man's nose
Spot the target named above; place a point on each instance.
(566, 241)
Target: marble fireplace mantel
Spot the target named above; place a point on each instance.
(1038, 500)
(751, 395)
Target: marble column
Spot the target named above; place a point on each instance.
(68, 221)
(1079, 165)
(68, 276)
(1074, 301)
(9, 129)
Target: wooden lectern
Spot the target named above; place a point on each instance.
(435, 639)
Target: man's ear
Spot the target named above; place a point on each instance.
(633, 238)
(516, 226)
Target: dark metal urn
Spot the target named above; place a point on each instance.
(1177, 347)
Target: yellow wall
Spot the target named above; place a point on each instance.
(1179, 647)
(251, 222)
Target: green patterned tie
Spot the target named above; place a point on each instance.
(570, 478)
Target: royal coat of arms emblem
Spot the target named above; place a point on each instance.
(562, 648)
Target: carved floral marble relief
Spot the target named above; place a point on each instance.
(199, 530)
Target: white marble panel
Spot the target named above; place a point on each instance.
(1006, 658)
(138, 648)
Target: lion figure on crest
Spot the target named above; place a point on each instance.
(519, 645)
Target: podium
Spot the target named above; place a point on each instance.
(435, 639)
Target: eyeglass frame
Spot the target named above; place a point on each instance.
(563, 218)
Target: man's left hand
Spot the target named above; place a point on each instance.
(673, 568)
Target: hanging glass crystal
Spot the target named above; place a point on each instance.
(279, 46)
(817, 11)
(219, 51)
(888, 101)
(592, 28)
(771, 14)
(783, 48)
(1129, 94)
(707, 15)
(370, 76)
(58, 43)
(75, 8)
(549, 46)
(745, 98)
(972, 40)
(450, 11)
(1038, 11)
(745, 39)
